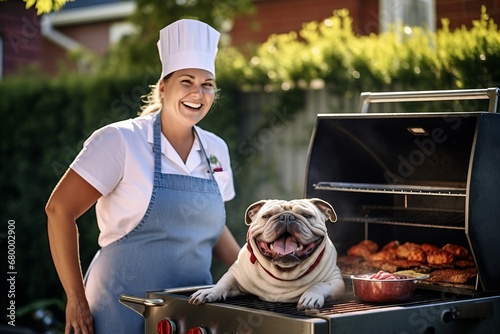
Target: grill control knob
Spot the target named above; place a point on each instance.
(198, 330)
(167, 326)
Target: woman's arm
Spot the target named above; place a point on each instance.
(226, 250)
(72, 197)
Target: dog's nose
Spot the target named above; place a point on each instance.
(286, 217)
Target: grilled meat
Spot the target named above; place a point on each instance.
(439, 257)
(458, 252)
(459, 276)
(364, 248)
(450, 264)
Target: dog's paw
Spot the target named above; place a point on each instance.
(206, 296)
(310, 300)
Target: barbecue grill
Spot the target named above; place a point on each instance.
(413, 177)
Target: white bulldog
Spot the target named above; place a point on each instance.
(288, 256)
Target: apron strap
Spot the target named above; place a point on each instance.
(157, 144)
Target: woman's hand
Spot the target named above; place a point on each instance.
(78, 317)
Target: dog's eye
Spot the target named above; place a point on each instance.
(307, 216)
(266, 216)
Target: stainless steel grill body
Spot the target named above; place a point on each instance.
(431, 312)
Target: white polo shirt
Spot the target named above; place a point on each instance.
(118, 161)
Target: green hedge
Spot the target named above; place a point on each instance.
(45, 120)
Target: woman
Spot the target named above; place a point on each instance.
(159, 183)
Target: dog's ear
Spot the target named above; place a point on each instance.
(326, 208)
(252, 211)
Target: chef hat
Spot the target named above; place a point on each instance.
(187, 44)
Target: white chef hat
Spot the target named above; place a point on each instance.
(187, 44)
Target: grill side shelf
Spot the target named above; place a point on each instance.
(391, 189)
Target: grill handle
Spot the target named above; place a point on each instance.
(432, 95)
(140, 305)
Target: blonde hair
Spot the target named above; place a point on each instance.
(153, 102)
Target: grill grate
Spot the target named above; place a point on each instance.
(346, 304)
(352, 305)
(422, 217)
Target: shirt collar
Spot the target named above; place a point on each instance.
(168, 151)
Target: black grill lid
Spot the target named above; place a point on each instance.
(431, 170)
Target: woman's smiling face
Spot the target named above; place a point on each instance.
(188, 95)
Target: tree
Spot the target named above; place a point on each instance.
(45, 6)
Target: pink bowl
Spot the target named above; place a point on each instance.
(383, 291)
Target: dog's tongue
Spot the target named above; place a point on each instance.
(285, 245)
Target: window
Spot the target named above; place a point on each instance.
(407, 13)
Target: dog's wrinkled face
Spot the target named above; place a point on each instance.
(286, 233)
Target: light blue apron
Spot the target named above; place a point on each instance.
(171, 247)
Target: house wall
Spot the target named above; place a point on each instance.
(93, 37)
(282, 16)
(462, 12)
(55, 58)
(21, 38)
